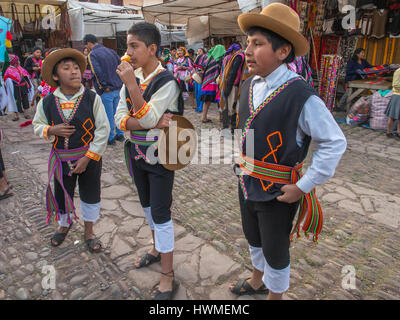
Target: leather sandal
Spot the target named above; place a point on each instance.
(59, 237)
(168, 295)
(148, 259)
(242, 287)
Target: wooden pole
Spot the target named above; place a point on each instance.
(315, 54)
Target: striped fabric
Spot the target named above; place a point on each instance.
(378, 119)
(310, 209)
(57, 157)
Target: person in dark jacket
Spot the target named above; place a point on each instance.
(33, 64)
(104, 62)
(356, 63)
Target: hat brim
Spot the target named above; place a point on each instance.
(182, 123)
(51, 60)
(300, 44)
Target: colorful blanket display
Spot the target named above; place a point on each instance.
(383, 70)
(380, 100)
(359, 112)
(330, 66)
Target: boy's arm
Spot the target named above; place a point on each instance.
(122, 118)
(317, 122)
(99, 143)
(125, 122)
(40, 123)
(150, 114)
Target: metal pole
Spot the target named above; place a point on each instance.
(170, 32)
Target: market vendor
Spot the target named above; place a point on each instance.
(356, 63)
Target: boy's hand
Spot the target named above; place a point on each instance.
(61, 130)
(164, 121)
(80, 165)
(291, 193)
(126, 73)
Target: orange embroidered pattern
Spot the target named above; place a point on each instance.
(93, 156)
(123, 123)
(142, 112)
(45, 133)
(272, 152)
(88, 122)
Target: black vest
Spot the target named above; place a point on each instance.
(83, 120)
(155, 84)
(275, 128)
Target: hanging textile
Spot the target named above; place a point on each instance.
(330, 66)
(347, 47)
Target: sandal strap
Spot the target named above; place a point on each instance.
(167, 273)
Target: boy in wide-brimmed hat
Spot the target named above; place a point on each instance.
(279, 114)
(73, 119)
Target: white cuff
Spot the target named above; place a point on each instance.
(277, 281)
(164, 237)
(257, 258)
(305, 184)
(90, 212)
(150, 221)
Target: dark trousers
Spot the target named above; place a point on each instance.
(88, 181)
(21, 98)
(267, 225)
(154, 184)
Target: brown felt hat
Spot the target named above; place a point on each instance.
(177, 144)
(51, 60)
(280, 19)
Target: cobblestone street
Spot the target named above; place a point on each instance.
(361, 207)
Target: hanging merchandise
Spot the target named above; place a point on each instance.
(303, 15)
(29, 23)
(365, 25)
(366, 4)
(347, 47)
(330, 66)
(394, 23)
(16, 30)
(320, 18)
(379, 20)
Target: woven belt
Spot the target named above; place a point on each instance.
(310, 209)
(143, 138)
(57, 157)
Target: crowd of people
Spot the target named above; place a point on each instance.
(142, 94)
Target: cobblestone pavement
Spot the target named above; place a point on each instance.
(361, 228)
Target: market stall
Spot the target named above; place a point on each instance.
(33, 24)
(203, 19)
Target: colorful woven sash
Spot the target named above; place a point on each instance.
(310, 209)
(143, 138)
(57, 157)
(139, 138)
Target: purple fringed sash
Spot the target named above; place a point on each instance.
(57, 157)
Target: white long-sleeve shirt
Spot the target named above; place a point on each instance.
(165, 98)
(315, 121)
(98, 145)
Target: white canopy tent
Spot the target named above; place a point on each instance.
(102, 20)
(205, 18)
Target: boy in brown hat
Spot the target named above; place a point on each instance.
(74, 120)
(279, 115)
